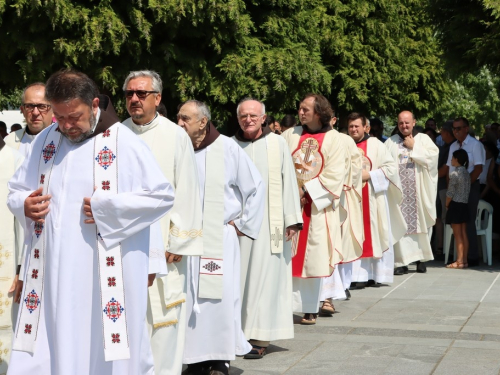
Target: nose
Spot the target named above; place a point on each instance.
(36, 111)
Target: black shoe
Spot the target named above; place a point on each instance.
(405, 269)
(361, 285)
(347, 294)
(373, 284)
(421, 267)
(398, 271)
(353, 286)
(473, 262)
(200, 368)
(219, 368)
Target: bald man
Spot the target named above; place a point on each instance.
(417, 159)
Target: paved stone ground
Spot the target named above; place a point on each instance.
(443, 322)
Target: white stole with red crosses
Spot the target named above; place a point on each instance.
(115, 337)
(29, 315)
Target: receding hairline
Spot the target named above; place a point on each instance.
(405, 112)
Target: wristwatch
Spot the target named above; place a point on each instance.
(304, 189)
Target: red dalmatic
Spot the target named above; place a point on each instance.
(367, 165)
(308, 161)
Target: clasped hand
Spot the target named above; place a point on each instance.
(36, 206)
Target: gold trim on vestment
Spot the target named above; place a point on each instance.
(165, 324)
(193, 233)
(173, 304)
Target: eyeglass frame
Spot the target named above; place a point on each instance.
(241, 118)
(30, 107)
(457, 128)
(143, 93)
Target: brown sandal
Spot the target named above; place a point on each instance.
(309, 319)
(327, 307)
(456, 265)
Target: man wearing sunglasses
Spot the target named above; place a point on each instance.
(181, 229)
(38, 115)
(477, 159)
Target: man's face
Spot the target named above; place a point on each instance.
(406, 122)
(76, 119)
(431, 124)
(142, 110)
(188, 118)
(36, 119)
(307, 116)
(447, 136)
(356, 129)
(250, 117)
(460, 131)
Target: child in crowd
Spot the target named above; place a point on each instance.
(457, 197)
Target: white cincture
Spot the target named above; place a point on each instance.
(115, 337)
(29, 316)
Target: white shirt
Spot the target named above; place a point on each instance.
(475, 150)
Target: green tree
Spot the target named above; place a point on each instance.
(375, 56)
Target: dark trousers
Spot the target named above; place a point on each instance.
(475, 192)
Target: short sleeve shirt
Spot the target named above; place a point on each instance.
(475, 150)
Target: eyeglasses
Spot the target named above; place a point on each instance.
(42, 108)
(141, 94)
(252, 117)
(457, 128)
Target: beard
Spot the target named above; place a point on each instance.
(82, 137)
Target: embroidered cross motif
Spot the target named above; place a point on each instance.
(115, 338)
(105, 185)
(211, 267)
(110, 261)
(49, 151)
(32, 301)
(111, 281)
(37, 254)
(105, 157)
(42, 179)
(106, 133)
(38, 229)
(34, 274)
(113, 310)
(27, 328)
(277, 236)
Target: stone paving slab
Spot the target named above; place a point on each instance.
(442, 322)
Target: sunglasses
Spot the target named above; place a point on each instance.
(141, 94)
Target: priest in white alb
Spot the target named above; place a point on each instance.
(417, 158)
(232, 196)
(86, 195)
(11, 244)
(181, 228)
(37, 113)
(336, 286)
(318, 156)
(383, 221)
(266, 263)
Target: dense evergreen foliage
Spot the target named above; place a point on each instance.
(374, 56)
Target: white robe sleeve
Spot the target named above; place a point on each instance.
(379, 182)
(157, 260)
(328, 186)
(252, 191)
(186, 216)
(119, 216)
